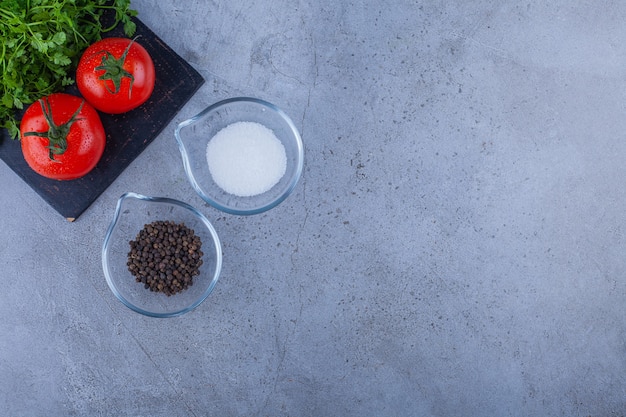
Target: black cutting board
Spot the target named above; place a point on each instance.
(128, 134)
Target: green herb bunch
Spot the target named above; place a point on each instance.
(41, 44)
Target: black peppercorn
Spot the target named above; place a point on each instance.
(165, 256)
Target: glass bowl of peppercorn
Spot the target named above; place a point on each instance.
(161, 257)
(242, 155)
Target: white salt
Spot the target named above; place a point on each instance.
(246, 159)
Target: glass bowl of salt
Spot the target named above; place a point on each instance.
(242, 155)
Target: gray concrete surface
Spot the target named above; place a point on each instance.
(456, 246)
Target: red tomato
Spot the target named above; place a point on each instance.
(62, 137)
(115, 75)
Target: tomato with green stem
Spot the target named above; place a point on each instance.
(116, 75)
(62, 137)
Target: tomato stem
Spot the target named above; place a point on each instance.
(56, 135)
(114, 70)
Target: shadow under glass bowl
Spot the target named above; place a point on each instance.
(194, 134)
(132, 213)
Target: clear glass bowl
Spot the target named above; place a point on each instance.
(194, 134)
(133, 211)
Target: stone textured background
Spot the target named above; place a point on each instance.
(456, 245)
